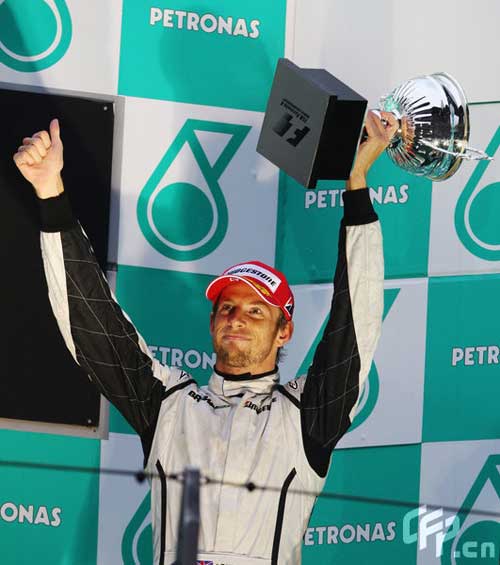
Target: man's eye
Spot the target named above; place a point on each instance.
(225, 308)
(256, 310)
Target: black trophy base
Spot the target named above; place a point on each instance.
(312, 124)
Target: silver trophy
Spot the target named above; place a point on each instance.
(433, 126)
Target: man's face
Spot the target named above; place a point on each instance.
(245, 331)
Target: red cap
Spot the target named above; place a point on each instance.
(270, 284)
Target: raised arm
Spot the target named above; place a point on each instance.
(97, 332)
(344, 355)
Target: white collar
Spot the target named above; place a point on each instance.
(223, 384)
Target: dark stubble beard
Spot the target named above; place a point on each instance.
(239, 359)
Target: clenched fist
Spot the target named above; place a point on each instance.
(40, 160)
(380, 128)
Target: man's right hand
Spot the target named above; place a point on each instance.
(40, 160)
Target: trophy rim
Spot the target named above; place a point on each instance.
(450, 94)
(462, 100)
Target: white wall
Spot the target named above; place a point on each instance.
(374, 46)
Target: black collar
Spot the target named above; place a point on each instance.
(245, 376)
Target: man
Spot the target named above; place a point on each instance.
(244, 426)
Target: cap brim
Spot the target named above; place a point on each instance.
(220, 283)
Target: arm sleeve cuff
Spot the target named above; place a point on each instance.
(358, 207)
(56, 214)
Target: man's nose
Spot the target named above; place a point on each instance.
(236, 316)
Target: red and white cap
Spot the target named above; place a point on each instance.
(270, 284)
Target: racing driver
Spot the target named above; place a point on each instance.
(244, 426)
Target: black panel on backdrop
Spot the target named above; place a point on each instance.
(312, 124)
(39, 379)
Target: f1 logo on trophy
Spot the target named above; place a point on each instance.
(314, 122)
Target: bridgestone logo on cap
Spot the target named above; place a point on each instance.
(263, 275)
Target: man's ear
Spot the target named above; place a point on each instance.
(285, 334)
(211, 324)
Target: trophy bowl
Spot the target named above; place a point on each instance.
(433, 126)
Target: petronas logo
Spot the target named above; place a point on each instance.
(34, 35)
(181, 210)
(478, 209)
(137, 540)
(472, 538)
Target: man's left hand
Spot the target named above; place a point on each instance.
(380, 131)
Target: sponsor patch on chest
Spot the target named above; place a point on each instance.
(205, 398)
(258, 409)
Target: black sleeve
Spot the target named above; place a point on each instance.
(343, 356)
(99, 335)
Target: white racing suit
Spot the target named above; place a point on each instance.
(237, 429)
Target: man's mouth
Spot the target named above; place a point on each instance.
(235, 337)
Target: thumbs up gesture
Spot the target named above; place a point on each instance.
(40, 160)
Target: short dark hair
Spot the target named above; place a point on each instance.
(280, 324)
